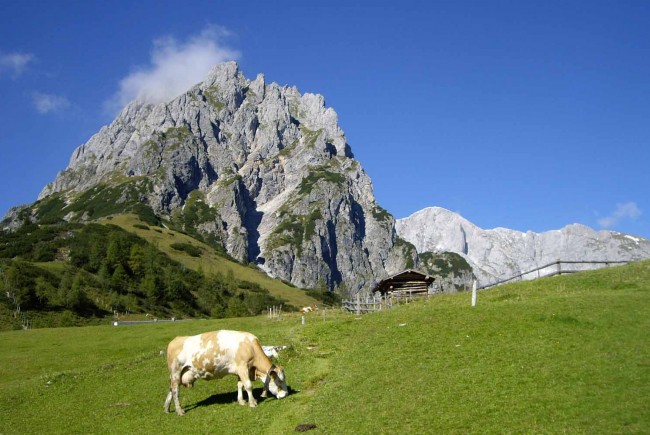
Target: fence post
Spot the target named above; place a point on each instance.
(358, 305)
(474, 294)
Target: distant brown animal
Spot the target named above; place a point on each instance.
(213, 355)
(309, 309)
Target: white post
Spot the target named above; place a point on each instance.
(474, 294)
(303, 320)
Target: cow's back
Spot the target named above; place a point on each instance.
(240, 346)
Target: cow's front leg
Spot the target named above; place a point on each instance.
(248, 385)
(245, 382)
(240, 394)
(249, 389)
(265, 392)
(254, 374)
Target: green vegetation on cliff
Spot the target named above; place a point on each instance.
(443, 263)
(407, 251)
(294, 230)
(212, 97)
(97, 202)
(318, 174)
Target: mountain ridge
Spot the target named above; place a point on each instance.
(501, 253)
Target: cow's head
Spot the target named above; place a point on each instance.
(276, 383)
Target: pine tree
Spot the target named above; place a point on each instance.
(77, 299)
(120, 280)
(137, 262)
(44, 291)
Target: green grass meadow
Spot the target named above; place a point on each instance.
(567, 354)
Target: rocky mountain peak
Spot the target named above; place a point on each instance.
(261, 168)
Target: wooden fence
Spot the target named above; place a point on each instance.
(370, 304)
(25, 321)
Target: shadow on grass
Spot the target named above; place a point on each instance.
(231, 397)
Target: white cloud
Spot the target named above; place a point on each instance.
(174, 68)
(47, 103)
(15, 63)
(628, 210)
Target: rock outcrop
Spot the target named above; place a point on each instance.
(502, 253)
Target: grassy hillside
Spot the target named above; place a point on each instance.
(567, 354)
(208, 259)
(65, 274)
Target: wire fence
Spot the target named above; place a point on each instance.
(560, 267)
(369, 304)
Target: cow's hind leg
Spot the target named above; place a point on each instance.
(173, 393)
(168, 401)
(177, 402)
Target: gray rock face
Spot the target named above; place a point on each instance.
(274, 169)
(501, 253)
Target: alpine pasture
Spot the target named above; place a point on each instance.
(567, 354)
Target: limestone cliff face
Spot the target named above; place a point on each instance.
(261, 167)
(502, 253)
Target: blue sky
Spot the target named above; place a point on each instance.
(527, 115)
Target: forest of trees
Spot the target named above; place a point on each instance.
(91, 271)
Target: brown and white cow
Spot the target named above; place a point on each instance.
(212, 355)
(309, 309)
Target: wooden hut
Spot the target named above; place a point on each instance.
(409, 282)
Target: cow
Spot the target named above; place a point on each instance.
(212, 355)
(309, 309)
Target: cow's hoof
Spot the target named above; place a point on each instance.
(181, 412)
(242, 402)
(252, 404)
